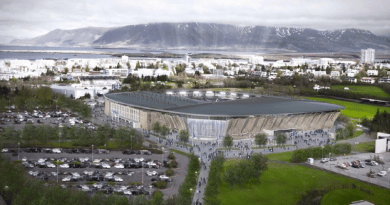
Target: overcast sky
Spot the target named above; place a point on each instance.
(31, 18)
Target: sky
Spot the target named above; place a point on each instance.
(31, 18)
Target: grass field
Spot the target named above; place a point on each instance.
(282, 156)
(357, 134)
(286, 183)
(354, 110)
(363, 89)
(364, 147)
(344, 196)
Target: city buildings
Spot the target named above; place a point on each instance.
(367, 56)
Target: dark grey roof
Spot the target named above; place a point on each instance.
(243, 107)
(151, 99)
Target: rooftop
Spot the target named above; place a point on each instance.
(263, 105)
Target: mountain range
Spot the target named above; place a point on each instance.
(213, 36)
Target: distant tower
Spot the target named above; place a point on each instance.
(368, 56)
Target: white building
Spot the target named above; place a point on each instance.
(370, 80)
(372, 72)
(367, 56)
(256, 60)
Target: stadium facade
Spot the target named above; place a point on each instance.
(211, 115)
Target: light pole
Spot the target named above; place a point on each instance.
(57, 170)
(92, 153)
(329, 159)
(18, 150)
(142, 173)
(59, 142)
(323, 152)
(162, 155)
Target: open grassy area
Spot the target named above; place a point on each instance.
(282, 156)
(286, 183)
(357, 134)
(354, 110)
(364, 147)
(344, 196)
(363, 89)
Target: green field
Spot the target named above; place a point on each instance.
(352, 109)
(343, 196)
(282, 156)
(286, 183)
(364, 147)
(363, 89)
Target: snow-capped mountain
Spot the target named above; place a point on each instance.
(215, 36)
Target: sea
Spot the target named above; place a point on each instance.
(58, 53)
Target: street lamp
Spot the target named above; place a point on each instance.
(18, 150)
(92, 153)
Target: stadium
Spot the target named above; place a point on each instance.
(213, 115)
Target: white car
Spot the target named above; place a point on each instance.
(165, 178)
(53, 174)
(64, 166)
(130, 173)
(127, 192)
(325, 160)
(97, 185)
(151, 164)
(24, 159)
(67, 179)
(106, 166)
(119, 166)
(41, 160)
(118, 179)
(4, 150)
(88, 172)
(84, 159)
(108, 174)
(382, 173)
(50, 165)
(97, 160)
(56, 150)
(341, 165)
(151, 173)
(75, 174)
(139, 159)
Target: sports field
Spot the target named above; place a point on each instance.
(352, 109)
(286, 183)
(363, 89)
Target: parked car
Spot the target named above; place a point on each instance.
(382, 173)
(324, 160)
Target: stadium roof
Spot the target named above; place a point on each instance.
(264, 105)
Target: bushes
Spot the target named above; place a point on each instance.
(170, 172)
(213, 181)
(246, 171)
(171, 156)
(185, 194)
(301, 155)
(160, 184)
(172, 164)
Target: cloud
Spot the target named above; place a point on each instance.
(20, 18)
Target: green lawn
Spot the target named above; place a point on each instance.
(286, 183)
(363, 89)
(354, 110)
(357, 134)
(364, 147)
(344, 196)
(282, 156)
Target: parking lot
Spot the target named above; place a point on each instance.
(360, 173)
(110, 178)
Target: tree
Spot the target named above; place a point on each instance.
(87, 69)
(118, 65)
(128, 65)
(281, 138)
(228, 141)
(66, 70)
(164, 130)
(261, 139)
(156, 127)
(184, 135)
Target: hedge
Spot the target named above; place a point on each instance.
(213, 181)
(301, 155)
(185, 194)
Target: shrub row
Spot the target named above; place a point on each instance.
(301, 155)
(160, 184)
(186, 190)
(213, 181)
